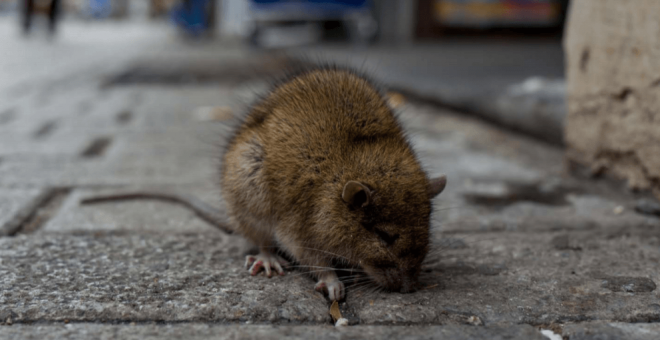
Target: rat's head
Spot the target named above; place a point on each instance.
(389, 229)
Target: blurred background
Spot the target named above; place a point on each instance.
(543, 114)
(499, 59)
(320, 20)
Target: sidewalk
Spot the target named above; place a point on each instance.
(518, 245)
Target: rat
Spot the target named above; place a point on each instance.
(321, 169)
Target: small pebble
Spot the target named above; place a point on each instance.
(475, 320)
(629, 288)
(341, 322)
(551, 335)
(618, 210)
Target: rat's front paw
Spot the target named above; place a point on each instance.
(264, 262)
(332, 287)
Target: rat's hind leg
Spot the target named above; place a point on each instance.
(265, 260)
(248, 201)
(259, 232)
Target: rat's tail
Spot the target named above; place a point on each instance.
(199, 207)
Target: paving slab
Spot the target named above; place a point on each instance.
(16, 204)
(52, 170)
(42, 141)
(168, 107)
(499, 181)
(50, 129)
(611, 330)
(137, 277)
(580, 212)
(526, 278)
(174, 156)
(264, 332)
(505, 279)
(129, 159)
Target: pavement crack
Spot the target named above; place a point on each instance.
(124, 117)
(97, 147)
(45, 130)
(41, 211)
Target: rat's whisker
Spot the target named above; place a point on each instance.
(309, 272)
(362, 284)
(454, 207)
(356, 282)
(359, 285)
(371, 291)
(320, 251)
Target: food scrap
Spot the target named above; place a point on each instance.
(341, 322)
(336, 315)
(334, 311)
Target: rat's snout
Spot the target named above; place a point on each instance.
(398, 280)
(408, 286)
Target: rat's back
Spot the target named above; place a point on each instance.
(322, 126)
(306, 138)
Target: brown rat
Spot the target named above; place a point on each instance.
(321, 169)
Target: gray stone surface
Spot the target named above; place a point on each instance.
(264, 332)
(174, 156)
(52, 170)
(18, 143)
(502, 182)
(166, 157)
(16, 204)
(199, 277)
(139, 277)
(611, 330)
(522, 278)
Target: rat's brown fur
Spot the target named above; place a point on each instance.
(285, 170)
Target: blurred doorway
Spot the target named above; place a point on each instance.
(441, 18)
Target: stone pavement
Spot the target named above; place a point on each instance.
(519, 244)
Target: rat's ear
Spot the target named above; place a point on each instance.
(356, 194)
(436, 185)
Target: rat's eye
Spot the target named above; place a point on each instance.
(387, 238)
